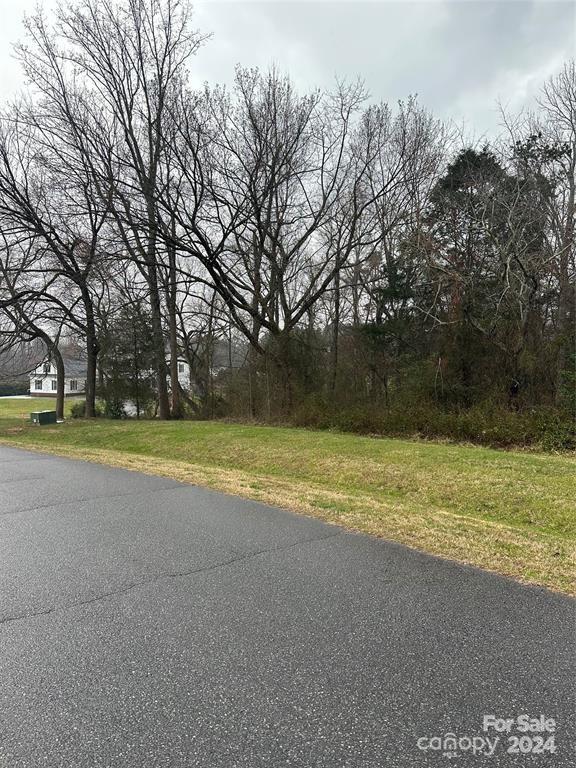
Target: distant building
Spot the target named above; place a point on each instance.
(43, 379)
(183, 373)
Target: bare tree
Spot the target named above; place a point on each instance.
(48, 202)
(28, 309)
(558, 105)
(109, 73)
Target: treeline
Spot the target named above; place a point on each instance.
(314, 257)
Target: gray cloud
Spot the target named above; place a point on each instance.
(458, 56)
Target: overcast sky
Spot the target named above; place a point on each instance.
(459, 56)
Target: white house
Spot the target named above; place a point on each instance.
(43, 378)
(183, 374)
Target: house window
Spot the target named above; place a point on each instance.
(38, 384)
(46, 367)
(73, 385)
(53, 385)
(180, 367)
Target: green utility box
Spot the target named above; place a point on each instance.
(43, 417)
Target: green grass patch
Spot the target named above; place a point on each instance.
(17, 410)
(509, 511)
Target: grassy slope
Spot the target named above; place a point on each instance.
(510, 512)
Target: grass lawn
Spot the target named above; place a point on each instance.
(17, 409)
(510, 512)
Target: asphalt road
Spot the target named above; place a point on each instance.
(147, 623)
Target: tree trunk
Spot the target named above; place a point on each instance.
(92, 349)
(285, 367)
(566, 289)
(254, 352)
(55, 355)
(208, 355)
(173, 332)
(60, 376)
(253, 359)
(335, 335)
(174, 381)
(158, 342)
(136, 370)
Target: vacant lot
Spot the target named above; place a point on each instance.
(511, 512)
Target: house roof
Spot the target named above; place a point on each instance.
(73, 367)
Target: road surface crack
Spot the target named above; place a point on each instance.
(59, 504)
(164, 576)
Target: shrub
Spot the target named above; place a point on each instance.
(485, 424)
(114, 408)
(8, 388)
(78, 410)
